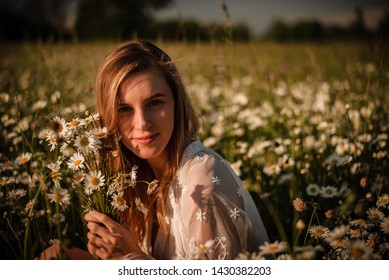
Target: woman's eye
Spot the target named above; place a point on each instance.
(125, 109)
(154, 103)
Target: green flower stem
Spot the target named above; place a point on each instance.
(15, 234)
(310, 222)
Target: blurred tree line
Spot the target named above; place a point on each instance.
(313, 30)
(123, 19)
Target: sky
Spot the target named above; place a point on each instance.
(258, 14)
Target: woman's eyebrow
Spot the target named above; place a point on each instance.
(159, 94)
(123, 104)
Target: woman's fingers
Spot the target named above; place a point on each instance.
(97, 217)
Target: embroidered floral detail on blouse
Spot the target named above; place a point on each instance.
(198, 157)
(220, 248)
(201, 216)
(234, 213)
(185, 188)
(239, 191)
(216, 180)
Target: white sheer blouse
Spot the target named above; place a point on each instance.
(209, 214)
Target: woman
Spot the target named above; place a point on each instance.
(199, 209)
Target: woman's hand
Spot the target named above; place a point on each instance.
(108, 239)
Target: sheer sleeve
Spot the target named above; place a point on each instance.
(211, 209)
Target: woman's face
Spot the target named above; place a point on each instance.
(146, 116)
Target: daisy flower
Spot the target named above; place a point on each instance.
(385, 225)
(383, 200)
(249, 256)
(57, 218)
(272, 170)
(60, 127)
(328, 213)
(79, 177)
(357, 233)
(54, 241)
(43, 133)
(375, 214)
(344, 190)
(359, 250)
(87, 143)
(338, 244)
(372, 238)
(60, 196)
(118, 202)
(318, 231)
(52, 140)
(273, 248)
(92, 118)
(133, 176)
(76, 162)
(117, 184)
(16, 194)
(140, 206)
(100, 132)
(362, 223)
(299, 205)
(8, 165)
(55, 175)
(23, 158)
(152, 186)
(202, 249)
(67, 150)
(76, 123)
(328, 192)
(93, 181)
(39, 105)
(313, 190)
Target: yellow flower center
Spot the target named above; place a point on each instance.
(374, 216)
(58, 127)
(101, 133)
(94, 181)
(202, 249)
(120, 200)
(329, 191)
(54, 175)
(23, 160)
(272, 248)
(74, 123)
(361, 221)
(78, 177)
(383, 201)
(77, 162)
(58, 196)
(84, 142)
(319, 232)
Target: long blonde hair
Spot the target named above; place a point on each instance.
(126, 60)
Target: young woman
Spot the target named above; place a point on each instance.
(199, 209)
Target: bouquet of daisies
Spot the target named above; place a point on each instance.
(84, 159)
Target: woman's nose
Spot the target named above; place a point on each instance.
(141, 120)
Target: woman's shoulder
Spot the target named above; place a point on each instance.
(203, 166)
(196, 154)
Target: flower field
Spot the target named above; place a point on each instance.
(304, 125)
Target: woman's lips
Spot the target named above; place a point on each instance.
(145, 140)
